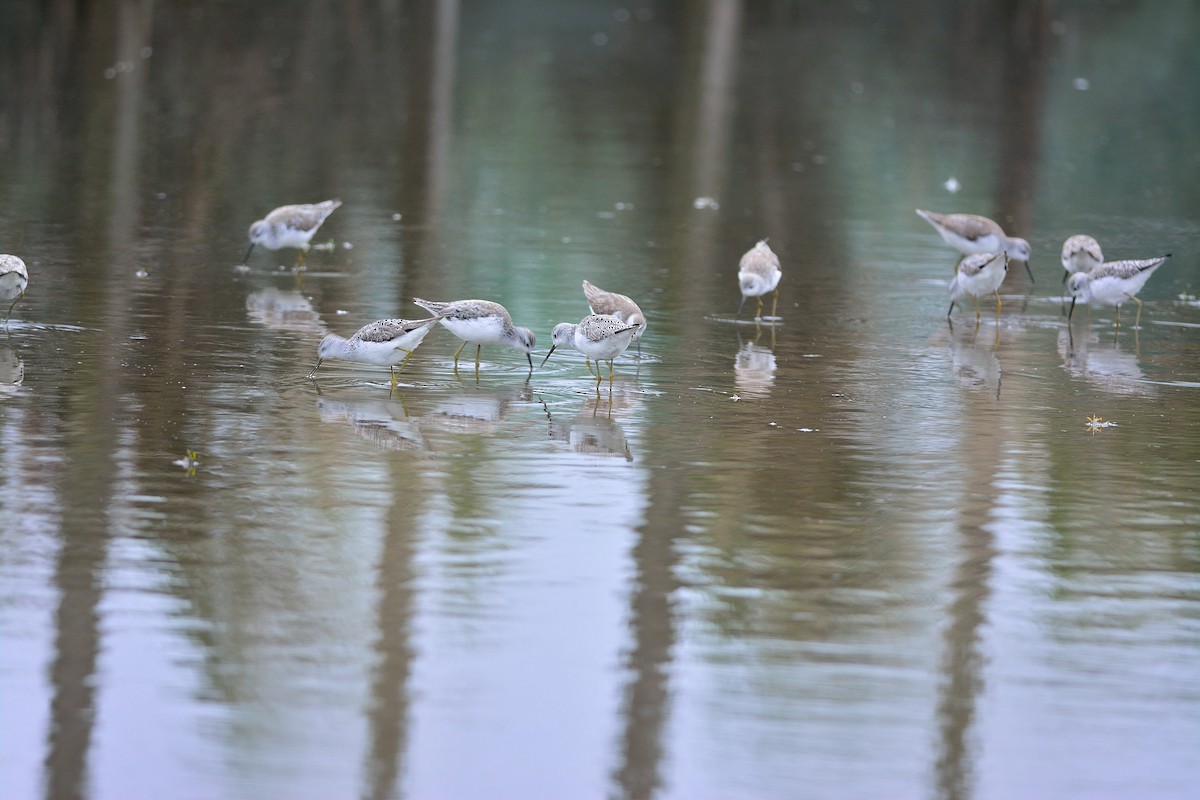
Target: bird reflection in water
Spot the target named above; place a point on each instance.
(284, 310)
(590, 432)
(12, 369)
(1104, 366)
(385, 423)
(974, 357)
(754, 368)
(478, 411)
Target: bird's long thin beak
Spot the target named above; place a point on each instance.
(1072, 311)
(547, 358)
(1030, 271)
(740, 306)
(1065, 276)
(313, 374)
(246, 258)
(530, 357)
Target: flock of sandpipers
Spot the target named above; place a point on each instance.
(614, 323)
(986, 251)
(616, 320)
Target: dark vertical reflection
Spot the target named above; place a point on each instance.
(962, 662)
(1023, 100)
(652, 622)
(708, 95)
(388, 714)
(92, 398)
(78, 578)
(427, 151)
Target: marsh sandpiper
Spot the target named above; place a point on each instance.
(14, 279)
(979, 274)
(600, 337)
(290, 226)
(970, 234)
(1112, 283)
(616, 305)
(480, 322)
(1080, 253)
(386, 342)
(759, 273)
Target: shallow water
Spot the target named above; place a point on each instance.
(861, 553)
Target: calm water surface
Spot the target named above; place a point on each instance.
(860, 554)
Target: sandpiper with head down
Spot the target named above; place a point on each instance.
(979, 274)
(616, 305)
(1112, 283)
(600, 337)
(970, 234)
(290, 226)
(759, 273)
(1080, 253)
(386, 342)
(480, 322)
(14, 280)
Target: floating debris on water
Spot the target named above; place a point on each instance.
(189, 462)
(706, 203)
(1096, 423)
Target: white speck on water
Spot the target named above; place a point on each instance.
(347, 246)
(706, 203)
(952, 185)
(146, 52)
(341, 312)
(396, 217)
(809, 430)
(141, 273)
(622, 15)
(1082, 84)
(599, 38)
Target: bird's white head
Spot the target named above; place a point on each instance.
(1017, 249)
(563, 335)
(330, 346)
(258, 231)
(526, 338)
(1077, 284)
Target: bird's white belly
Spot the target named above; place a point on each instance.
(985, 244)
(479, 330)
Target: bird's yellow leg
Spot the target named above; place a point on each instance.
(774, 302)
(1118, 316)
(975, 300)
(456, 355)
(1138, 317)
(392, 370)
(997, 304)
(405, 361)
(758, 314)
